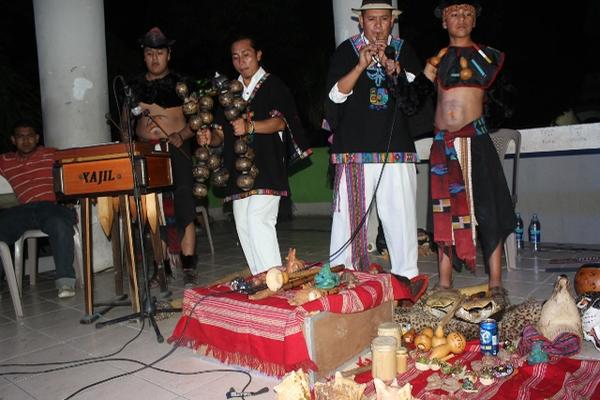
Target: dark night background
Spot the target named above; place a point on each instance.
(550, 50)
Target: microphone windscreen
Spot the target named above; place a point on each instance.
(261, 391)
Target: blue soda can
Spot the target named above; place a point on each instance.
(488, 336)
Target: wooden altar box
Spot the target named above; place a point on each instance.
(336, 339)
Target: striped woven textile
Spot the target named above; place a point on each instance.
(266, 335)
(560, 379)
(564, 345)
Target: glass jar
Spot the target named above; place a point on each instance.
(401, 360)
(390, 329)
(383, 349)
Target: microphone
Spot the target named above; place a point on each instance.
(390, 53)
(134, 107)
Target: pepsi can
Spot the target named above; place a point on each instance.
(488, 336)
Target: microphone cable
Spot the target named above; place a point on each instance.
(363, 219)
(176, 345)
(64, 365)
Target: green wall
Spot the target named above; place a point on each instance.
(308, 180)
(310, 184)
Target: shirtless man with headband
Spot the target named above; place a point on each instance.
(468, 186)
(163, 118)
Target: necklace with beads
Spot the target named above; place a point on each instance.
(466, 72)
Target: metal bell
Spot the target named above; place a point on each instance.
(240, 103)
(214, 162)
(190, 107)
(220, 177)
(245, 182)
(181, 88)
(206, 103)
(201, 172)
(240, 146)
(250, 153)
(195, 122)
(232, 113)
(235, 86)
(220, 82)
(242, 164)
(206, 118)
(202, 154)
(211, 91)
(226, 99)
(200, 190)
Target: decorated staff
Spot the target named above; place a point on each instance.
(197, 106)
(235, 107)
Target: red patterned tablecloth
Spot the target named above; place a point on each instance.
(561, 379)
(266, 335)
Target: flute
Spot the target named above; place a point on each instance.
(375, 57)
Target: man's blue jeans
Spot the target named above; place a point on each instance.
(54, 220)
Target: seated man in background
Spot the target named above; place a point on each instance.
(29, 172)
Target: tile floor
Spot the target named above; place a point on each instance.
(51, 333)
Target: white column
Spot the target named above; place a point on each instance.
(346, 22)
(72, 66)
(73, 83)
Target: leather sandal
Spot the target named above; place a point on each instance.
(189, 277)
(500, 295)
(437, 286)
(153, 281)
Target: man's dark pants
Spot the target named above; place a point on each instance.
(54, 220)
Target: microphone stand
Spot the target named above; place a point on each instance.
(147, 114)
(147, 302)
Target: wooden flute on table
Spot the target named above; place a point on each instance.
(297, 280)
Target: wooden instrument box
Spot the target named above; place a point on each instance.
(106, 169)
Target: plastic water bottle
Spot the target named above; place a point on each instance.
(535, 232)
(519, 232)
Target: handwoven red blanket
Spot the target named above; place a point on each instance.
(266, 335)
(562, 378)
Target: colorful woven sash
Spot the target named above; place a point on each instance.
(355, 187)
(564, 345)
(452, 222)
(173, 236)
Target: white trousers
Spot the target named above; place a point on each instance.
(397, 210)
(255, 220)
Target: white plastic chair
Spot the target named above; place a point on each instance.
(204, 212)
(6, 257)
(14, 271)
(31, 238)
(501, 140)
(11, 279)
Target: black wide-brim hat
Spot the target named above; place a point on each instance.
(155, 39)
(439, 10)
(377, 5)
